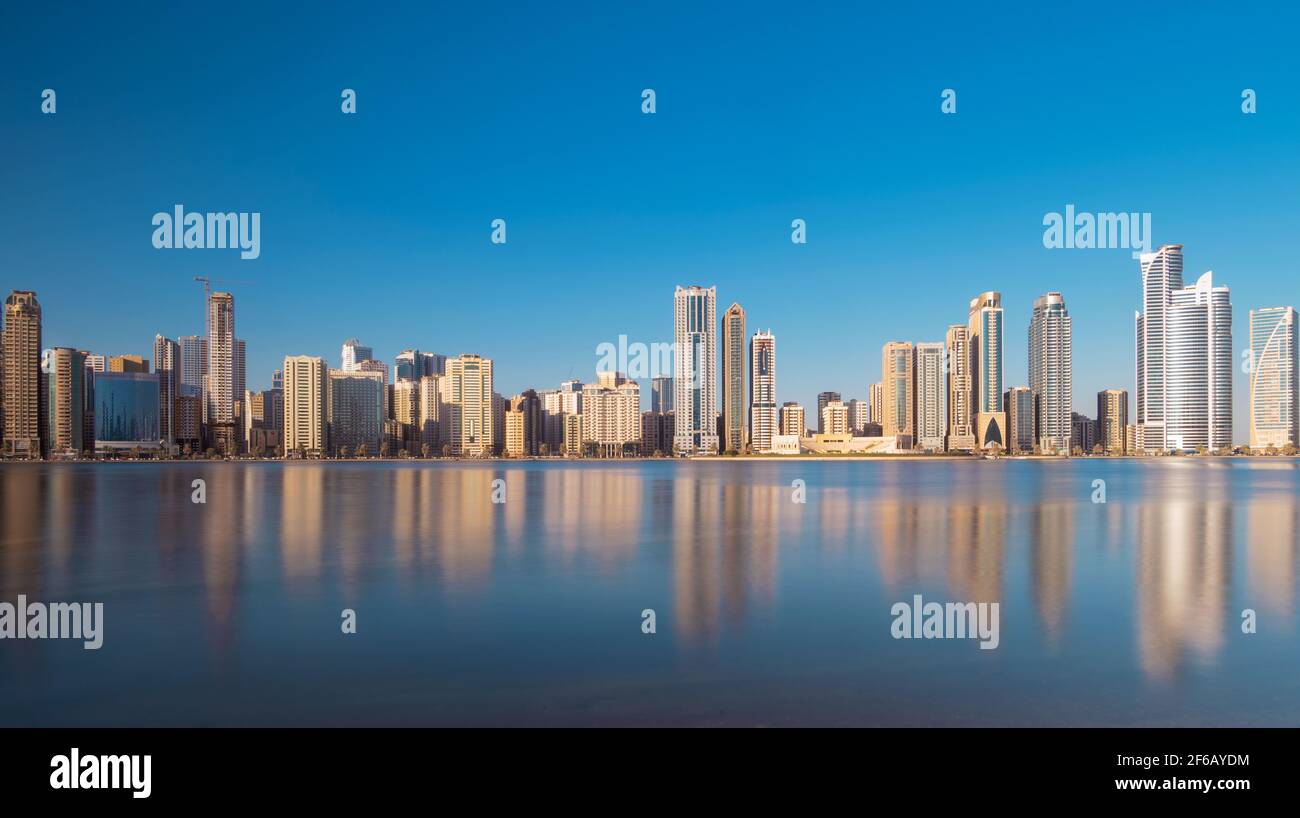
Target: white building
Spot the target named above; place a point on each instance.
(927, 370)
(1051, 373)
(695, 379)
(1198, 356)
(762, 391)
(1273, 381)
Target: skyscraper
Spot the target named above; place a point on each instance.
(471, 423)
(1051, 373)
(1112, 417)
(194, 365)
(67, 401)
(305, 430)
(762, 391)
(859, 416)
(876, 400)
(897, 361)
(220, 380)
(661, 394)
(1019, 404)
(167, 363)
(354, 353)
(611, 416)
(1273, 378)
(961, 390)
(695, 379)
(792, 419)
(928, 389)
(24, 386)
(733, 379)
(985, 324)
(354, 410)
(1162, 274)
(1198, 363)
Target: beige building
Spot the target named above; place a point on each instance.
(68, 402)
(1021, 417)
(572, 443)
(961, 421)
(514, 433)
(734, 432)
(128, 363)
(469, 412)
(304, 406)
(431, 391)
(835, 418)
(876, 403)
(928, 389)
(1112, 420)
(406, 413)
(792, 419)
(897, 362)
(611, 416)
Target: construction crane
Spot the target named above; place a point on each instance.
(207, 292)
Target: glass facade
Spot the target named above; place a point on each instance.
(126, 408)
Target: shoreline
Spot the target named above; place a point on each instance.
(931, 458)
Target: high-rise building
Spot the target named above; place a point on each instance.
(927, 389)
(220, 380)
(656, 433)
(1273, 378)
(571, 443)
(1198, 361)
(189, 423)
(430, 403)
(529, 408)
(408, 366)
(611, 417)
(876, 400)
(1051, 373)
(792, 419)
(96, 362)
(695, 395)
(1112, 418)
(1019, 404)
(354, 353)
(167, 363)
(733, 379)
(1083, 432)
(470, 423)
(1162, 274)
(239, 370)
(985, 324)
(762, 391)
(961, 390)
(661, 394)
(305, 425)
(67, 400)
(834, 419)
(556, 404)
(406, 413)
(859, 416)
(127, 363)
(897, 360)
(354, 404)
(194, 364)
(23, 386)
(823, 399)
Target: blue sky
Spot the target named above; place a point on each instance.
(376, 225)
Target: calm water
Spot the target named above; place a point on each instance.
(769, 612)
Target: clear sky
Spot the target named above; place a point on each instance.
(376, 225)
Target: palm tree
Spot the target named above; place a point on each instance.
(425, 450)
(363, 449)
(446, 450)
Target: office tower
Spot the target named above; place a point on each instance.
(1051, 373)
(762, 391)
(408, 366)
(985, 324)
(126, 411)
(239, 370)
(471, 422)
(354, 353)
(876, 402)
(1112, 418)
(430, 409)
(556, 403)
(167, 363)
(961, 390)
(656, 433)
(695, 395)
(733, 379)
(896, 364)
(499, 405)
(1198, 364)
(824, 398)
(305, 430)
(371, 365)
(611, 417)
(263, 421)
(514, 433)
(1273, 378)
(252, 416)
(194, 364)
(96, 362)
(127, 363)
(66, 400)
(220, 380)
(1162, 274)
(1083, 432)
(792, 419)
(1019, 403)
(834, 419)
(354, 402)
(433, 364)
(529, 405)
(24, 387)
(277, 379)
(927, 389)
(661, 394)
